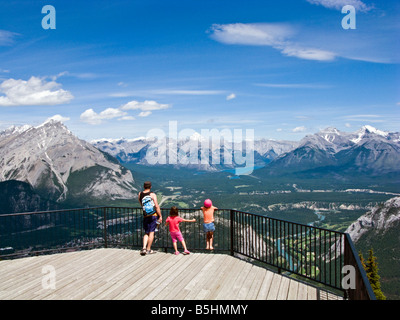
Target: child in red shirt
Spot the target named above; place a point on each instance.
(173, 221)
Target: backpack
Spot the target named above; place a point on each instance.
(148, 205)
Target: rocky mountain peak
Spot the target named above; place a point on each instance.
(378, 220)
(47, 155)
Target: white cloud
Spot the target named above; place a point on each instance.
(111, 113)
(187, 92)
(299, 129)
(58, 117)
(35, 91)
(144, 113)
(7, 37)
(146, 107)
(231, 96)
(364, 118)
(256, 34)
(126, 118)
(308, 54)
(160, 92)
(303, 118)
(61, 74)
(86, 75)
(294, 85)
(83, 76)
(275, 35)
(92, 117)
(339, 4)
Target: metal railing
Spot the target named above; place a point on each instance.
(309, 252)
(314, 253)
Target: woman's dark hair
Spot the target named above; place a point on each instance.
(147, 185)
(173, 211)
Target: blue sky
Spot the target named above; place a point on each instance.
(285, 69)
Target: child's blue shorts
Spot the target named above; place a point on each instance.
(208, 227)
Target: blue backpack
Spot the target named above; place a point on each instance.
(148, 205)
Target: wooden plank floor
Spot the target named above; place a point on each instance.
(124, 274)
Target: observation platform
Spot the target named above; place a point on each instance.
(123, 274)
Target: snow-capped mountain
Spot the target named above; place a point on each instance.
(367, 150)
(125, 150)
(330, 140)
(271, 149)
(191, 152)
(55, 162)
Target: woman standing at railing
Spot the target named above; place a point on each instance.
(151, 215)
(208, 225)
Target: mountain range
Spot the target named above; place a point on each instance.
(190, 152)
(367, 151)
(59, 166)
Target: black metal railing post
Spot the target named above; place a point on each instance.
(232, 231)
(105, 226)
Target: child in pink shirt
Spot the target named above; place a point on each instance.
(173, 221)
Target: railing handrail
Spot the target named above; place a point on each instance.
(54, 211)
(165, 208)
(280, 242)
(288, 221)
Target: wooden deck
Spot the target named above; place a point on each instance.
(124, 274)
